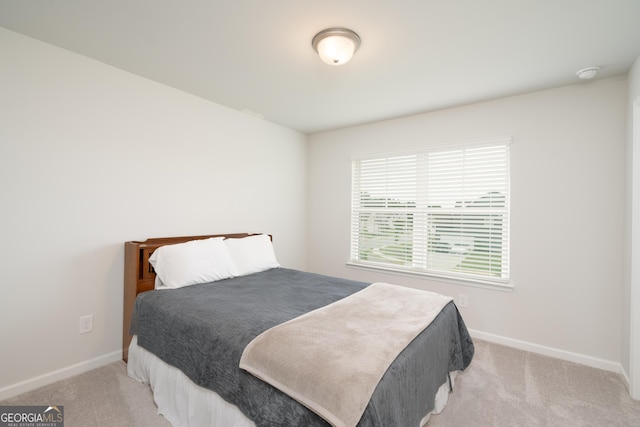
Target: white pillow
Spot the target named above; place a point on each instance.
(191, 263)
(251, 254)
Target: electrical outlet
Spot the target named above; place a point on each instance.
(463, 300)
(86, 324)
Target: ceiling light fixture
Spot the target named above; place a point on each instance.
(588, 73)
(336, 46)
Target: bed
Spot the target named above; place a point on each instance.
(189, 342)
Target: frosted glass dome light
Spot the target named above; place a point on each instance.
(336, 46)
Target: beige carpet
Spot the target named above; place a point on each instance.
(104, 397)
(508, 387)
(502, 387)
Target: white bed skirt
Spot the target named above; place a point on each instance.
(185, 404)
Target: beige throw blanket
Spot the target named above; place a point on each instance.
(331, 359)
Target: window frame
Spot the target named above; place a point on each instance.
(503, 279)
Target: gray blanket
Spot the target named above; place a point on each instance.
(203, 329)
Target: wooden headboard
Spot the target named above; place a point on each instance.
(140, 277)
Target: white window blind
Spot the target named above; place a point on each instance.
(439, 211)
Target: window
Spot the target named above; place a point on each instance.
(441, 211)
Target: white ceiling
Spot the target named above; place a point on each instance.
(416, 55)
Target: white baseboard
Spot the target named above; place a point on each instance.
(569, 356)
(61, 374)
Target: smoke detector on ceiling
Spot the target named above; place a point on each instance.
(588, 73)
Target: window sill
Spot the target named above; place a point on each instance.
(478, 283)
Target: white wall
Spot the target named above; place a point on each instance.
(90, 157)
(567, 213)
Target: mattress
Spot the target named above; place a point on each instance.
(201, 331)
